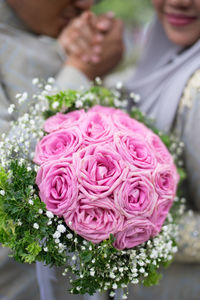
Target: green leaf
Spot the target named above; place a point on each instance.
(153, 278)
(86, 256)
(3, 178)
(34, 248)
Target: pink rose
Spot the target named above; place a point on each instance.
(94, 220)
(58, 144)
(58, 187)
(160, 150)
(106, 173)
(99, 169)
(135, 232)
(60, 121)
(123, 122)
(103, 110)
(134, 149)
(161, 211)
(136, 196)
(165, 180)
(97, 128)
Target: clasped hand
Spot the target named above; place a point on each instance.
(94, 44)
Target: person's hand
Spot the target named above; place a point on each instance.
(85, 34)
(109, 54)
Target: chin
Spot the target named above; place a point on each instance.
(182, 39)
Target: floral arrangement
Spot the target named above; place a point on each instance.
(94, 195)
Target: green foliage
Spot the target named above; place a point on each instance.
(17, 217)
(131, 11)
(3, 178)
(182, 174)
(153, 278)
(66, 100)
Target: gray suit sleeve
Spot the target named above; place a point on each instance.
(71, 78)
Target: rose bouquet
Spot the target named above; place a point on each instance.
(94, 196)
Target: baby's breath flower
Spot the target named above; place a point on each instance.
(55, 104)
(18, 96)
(30, 202)
(61, 228)
(61, 246)
(141, 270)
(112, 294)
(112, 275)
(48, 87)
(119, 85)
(49, 214)
(2, 193)
(11, 109)
(51, 80)
(36, 226)
(92, 273)
(98, 80)
(135, 281)
(69, 236)
(56, 235)
(79, 104)
(35, 81)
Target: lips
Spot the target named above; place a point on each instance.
(180, 20)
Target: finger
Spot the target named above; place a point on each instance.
(74, 49)
(87, 15)
(95, 59)
(77, 23)
(83, 4)
(83, 27)
(85, 58)
(118, 26)
(87, 33)
(110, 14)
(98, 38)
(97, 49)
(105, 21)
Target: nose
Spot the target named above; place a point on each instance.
(84, 4)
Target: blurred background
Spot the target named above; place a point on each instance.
(132, 12)
(136, 15)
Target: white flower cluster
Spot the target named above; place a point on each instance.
(61, 229)
(176, 149)
(27, 130)
(80, 102)
(159, 249)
